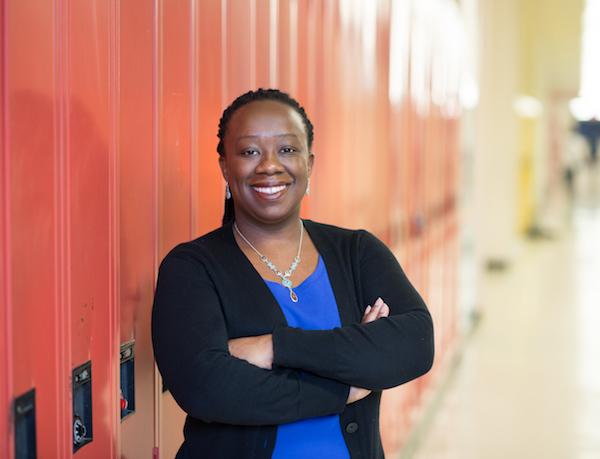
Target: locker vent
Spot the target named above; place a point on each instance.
(24, 411)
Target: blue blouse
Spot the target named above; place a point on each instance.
(316, 309)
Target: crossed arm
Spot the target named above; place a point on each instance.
(258, 350)
(314, 372)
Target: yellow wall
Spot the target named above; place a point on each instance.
(549, 63)
(527, 47)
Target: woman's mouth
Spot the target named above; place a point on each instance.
(270, 192)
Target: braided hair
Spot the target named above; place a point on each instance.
(244, 99)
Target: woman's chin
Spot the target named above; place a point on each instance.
(273, 214)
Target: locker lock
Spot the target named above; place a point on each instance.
(79, 431)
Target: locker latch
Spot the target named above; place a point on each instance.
(127, 379)
(24, 412)
(82, 405)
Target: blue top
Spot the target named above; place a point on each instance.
(316, 309)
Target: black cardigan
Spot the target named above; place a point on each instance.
(208, 292)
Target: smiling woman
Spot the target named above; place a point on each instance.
(269, 161)
(275, 334)
(254, 133)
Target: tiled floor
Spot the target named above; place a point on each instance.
(528, 385)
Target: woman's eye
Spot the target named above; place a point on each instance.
(288, 150)
(250, 152)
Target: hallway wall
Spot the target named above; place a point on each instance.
(526, 48)
(549, 63)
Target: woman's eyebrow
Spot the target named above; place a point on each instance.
(254, 136)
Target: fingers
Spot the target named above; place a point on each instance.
(370, 314)
(384, 311)
(356, 394)
(378, 310)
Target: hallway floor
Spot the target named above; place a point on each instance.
(528, 385)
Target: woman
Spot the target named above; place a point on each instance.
(260, 329)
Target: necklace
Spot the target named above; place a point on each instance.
(285, 281)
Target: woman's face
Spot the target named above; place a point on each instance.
(267, 161)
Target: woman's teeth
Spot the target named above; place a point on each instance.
(269, 189)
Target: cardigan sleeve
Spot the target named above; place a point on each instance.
(379, 355)
(190, 346)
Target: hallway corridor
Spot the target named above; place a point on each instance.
(528, 385)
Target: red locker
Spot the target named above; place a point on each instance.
(90, 210)
(208, 105)
(32, 217)
(238, 49)
(109, 142)
(174, 179)
(136, 220)
(5, 330)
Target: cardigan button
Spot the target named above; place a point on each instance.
(351, 427)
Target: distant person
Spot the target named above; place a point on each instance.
(573, 157)
(591, 131)
(276, 335)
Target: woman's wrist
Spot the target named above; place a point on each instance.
(257, 350)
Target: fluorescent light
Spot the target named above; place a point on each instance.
(527, 107)
(588, 104)
(581, 109)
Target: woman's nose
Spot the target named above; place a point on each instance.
(269, 163)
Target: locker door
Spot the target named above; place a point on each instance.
(31, 223)
(323, 100)
(174, 166)
(209, 189)
(89, 164)
(5, 372)
(137, 234)
(239, 49)
(265, 29)
(286, 56)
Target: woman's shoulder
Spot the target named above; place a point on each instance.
(330, 229)
(340, 237)
(198, 249)
(354, 241)
(336, 231)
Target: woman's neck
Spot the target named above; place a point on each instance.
(270, 234)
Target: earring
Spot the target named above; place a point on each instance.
(227, 191)
(308, 186)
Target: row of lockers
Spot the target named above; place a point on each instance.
(110, 113)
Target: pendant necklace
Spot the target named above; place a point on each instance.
(285, 281)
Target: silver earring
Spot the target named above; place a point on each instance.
(227, 192)
(308, 186)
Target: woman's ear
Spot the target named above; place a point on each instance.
(223, 166)
(311, 161)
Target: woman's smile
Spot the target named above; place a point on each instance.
(270, 192)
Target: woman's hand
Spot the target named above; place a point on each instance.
(257, 350)
(379, 309)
